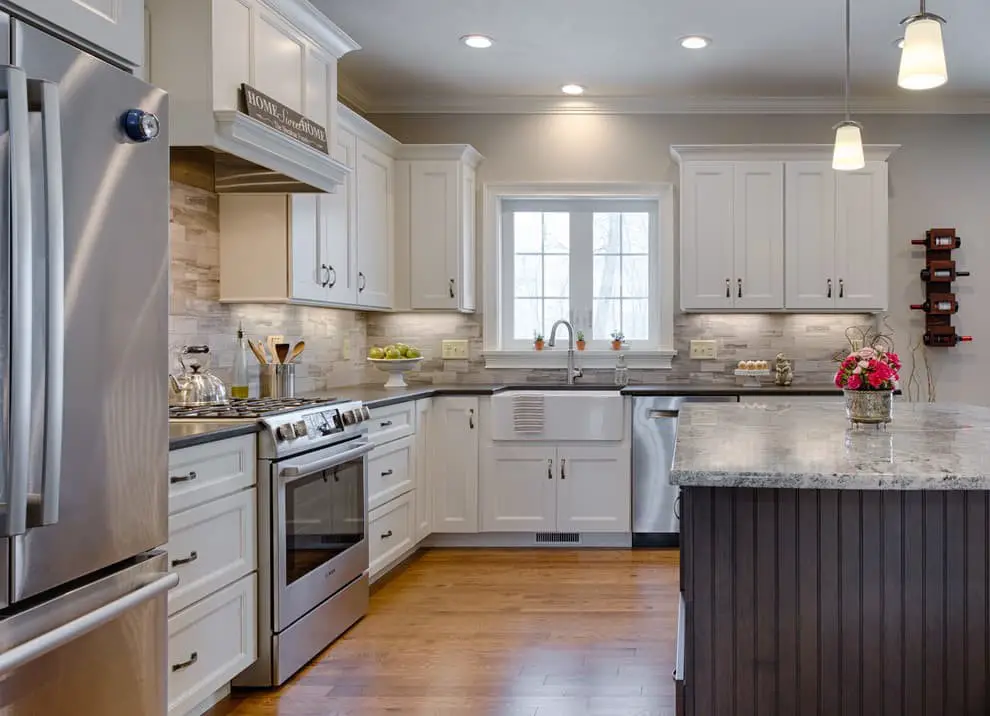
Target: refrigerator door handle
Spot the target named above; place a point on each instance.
(70, 631)
(43, 96)
(13, 88)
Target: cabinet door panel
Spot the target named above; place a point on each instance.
(338, 231)
(518, 490)
(433, 227)
(810, 235)
(467, 257)
(425, 464)
(758, 208)
(455, 445)
(706, 236)
(306, 278)
(113, 25)
(374, 177)
(594, 491)
(861, 241)
(278, 57)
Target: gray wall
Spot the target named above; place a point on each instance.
(939, 177)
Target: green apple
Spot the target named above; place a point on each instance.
(392, 353)
(402, 348)
(376, 353)
(413, 353)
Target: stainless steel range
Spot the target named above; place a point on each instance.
(312, 526)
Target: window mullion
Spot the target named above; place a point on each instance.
(582, 269)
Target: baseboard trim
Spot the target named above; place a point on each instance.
(611, 540)
(396, 568)
(210, 701)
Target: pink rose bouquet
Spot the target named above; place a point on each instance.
(869, 369)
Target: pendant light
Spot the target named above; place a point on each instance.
(923, 55)
(848, 153)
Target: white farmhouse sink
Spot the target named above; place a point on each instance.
(558, 415)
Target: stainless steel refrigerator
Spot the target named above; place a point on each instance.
(83, 416)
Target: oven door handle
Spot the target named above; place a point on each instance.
(294, 472)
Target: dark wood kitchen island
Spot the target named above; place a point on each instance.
(834, 571)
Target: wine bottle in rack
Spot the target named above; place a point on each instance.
(941, 271)
(945, 339)
(938, 305)
(938, 240)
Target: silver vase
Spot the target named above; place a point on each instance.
(871, 407)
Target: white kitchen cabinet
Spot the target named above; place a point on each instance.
(425, 464)
(732, 227)
(518, 490)
(374, 182)
(114, 27)
(390, 532)
(390, 472)
(454, 442)
(436, 226)
(337, 265)
(837, 237)
(594, 491)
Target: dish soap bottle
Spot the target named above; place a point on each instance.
(621, 371)
(239, 384)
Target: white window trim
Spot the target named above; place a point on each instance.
(495, 193)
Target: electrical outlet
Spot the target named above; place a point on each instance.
(704, 350)
(454, 350)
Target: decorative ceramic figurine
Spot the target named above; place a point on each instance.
(784, 370)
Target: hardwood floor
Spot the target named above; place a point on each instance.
(500, 633)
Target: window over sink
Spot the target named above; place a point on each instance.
(599, 257)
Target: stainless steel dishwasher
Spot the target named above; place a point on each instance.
(655, 518)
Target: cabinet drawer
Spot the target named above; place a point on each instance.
(210, 546)
(390, 472)
(390, 531)
(210, 643)
(392, 422)
(202, 473)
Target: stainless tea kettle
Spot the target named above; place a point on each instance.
(197, 385)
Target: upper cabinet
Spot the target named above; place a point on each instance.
(436, 204)
(770, 228)
(111, 27)
(202, 51)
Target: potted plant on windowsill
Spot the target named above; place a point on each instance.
(868, 378)
(617, 340)
(538, 340)
(580, 341)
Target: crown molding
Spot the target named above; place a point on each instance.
(442, 152)
(366, 131)
(306, 18)
(770, 152)
(913, 104)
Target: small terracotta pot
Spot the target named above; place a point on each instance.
(538, 345)
(616, 345)
(581, 345)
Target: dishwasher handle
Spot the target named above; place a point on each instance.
(660, 414)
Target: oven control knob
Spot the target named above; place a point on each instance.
(285, 432)
(365, 413)
(302, 430)
(348, 417)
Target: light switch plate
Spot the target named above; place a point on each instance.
(454, 350)
(704, 350)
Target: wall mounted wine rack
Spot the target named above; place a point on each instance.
(939, 273)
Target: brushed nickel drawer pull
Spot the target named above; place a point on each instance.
(191, 475)
(193, 556)
(386, 535)
(387, 473)
(385, 424)
(193, 658)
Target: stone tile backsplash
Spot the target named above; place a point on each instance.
(196, 316)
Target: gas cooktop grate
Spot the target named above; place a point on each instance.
(249, 409)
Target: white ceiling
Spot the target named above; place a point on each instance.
(786, 53)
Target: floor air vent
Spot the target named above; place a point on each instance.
(558, 538)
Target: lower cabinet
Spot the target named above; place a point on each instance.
(390, 531)
(390, 471)
(424, 462)
(551, 488)
(455, 426)
(210, 643)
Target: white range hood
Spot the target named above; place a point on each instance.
(202, 52)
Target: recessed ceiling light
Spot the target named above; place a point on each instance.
(572, 89)
(478, 42)
(695, 42)
(898, 43)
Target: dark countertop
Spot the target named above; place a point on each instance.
(186, 433)
(375, 395)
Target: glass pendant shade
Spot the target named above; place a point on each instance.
(923, 57)
(848, 153)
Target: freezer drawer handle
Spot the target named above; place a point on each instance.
(70, 631)
(193, 556)
(193, 658)
(657, 414)
(191, 475)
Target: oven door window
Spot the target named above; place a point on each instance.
(324, 516)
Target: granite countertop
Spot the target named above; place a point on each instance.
(376, 395)
(812, 446)
(186, 433)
